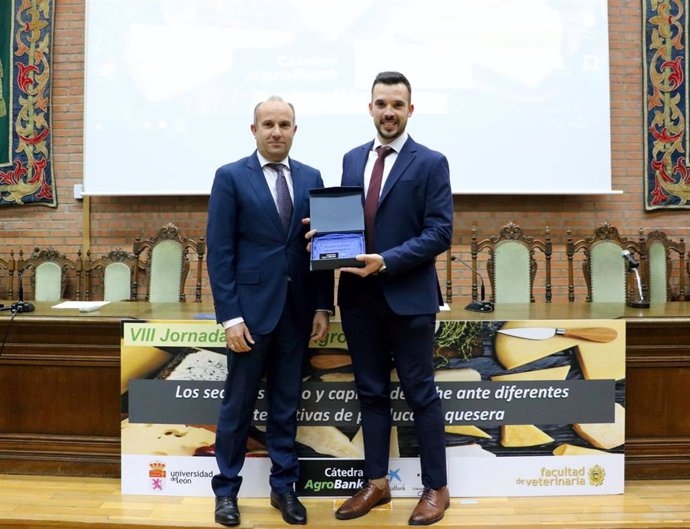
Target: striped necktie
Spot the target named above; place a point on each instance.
(283, 200)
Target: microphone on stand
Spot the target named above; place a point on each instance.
(476, 306)
(632, 262)
(633, 266)
(20, 305)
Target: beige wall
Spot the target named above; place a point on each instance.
(111, 222)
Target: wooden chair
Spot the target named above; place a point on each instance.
(657, 257)
(165, 259)
(50, 270)
(9, 266)
(603, 266)
(112, 277)
(511, 264)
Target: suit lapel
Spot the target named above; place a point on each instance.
(258, 183)
(360, 157)
(405, 158)
(300, 196)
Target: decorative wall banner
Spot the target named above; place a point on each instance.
(524, 417)
(26, 169)
(666, 137)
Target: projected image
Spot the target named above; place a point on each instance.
(515, 94)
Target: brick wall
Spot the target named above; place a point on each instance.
(105, 223)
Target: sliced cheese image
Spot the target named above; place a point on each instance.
(573, 450)
(467, 430)
(521, 435)
(164, 439)
(604, 435)
(552, 373)
(140, 361)
(464, 374)
(328, 440)
(471, 450)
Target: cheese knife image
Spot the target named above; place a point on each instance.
(591, 334)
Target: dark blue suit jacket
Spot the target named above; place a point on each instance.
(414, 224)
(249, 257)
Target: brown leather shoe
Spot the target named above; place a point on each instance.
(363, 501)
(431, 506)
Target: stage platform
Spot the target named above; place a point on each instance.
(49, 502)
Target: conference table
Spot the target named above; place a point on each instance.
(60, 382)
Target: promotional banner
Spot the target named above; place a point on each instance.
(531, 408)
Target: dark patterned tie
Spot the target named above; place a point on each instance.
(283, 200)
(372, 200)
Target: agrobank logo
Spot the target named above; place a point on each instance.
(157, 475)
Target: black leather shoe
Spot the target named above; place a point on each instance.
(290, 507)
(227, 512)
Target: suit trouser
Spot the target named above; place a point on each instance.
(378, 340)
(279, 356)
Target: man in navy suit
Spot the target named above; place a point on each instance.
(388, 307)
(267, 300)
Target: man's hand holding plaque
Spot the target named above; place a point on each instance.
(337, 222)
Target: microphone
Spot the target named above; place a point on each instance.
(20, 305)
(633, 266)
(476, 306)
(632, 262)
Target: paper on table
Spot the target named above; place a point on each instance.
(84, 306)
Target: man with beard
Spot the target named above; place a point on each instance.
(388, 307)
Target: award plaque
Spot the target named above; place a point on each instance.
(337, 215)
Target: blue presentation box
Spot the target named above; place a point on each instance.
(337, 215)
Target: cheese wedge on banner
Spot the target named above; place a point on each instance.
(573, 450)
(328, 440)
(604, 435)
(514, 352)
(597, 363)
(467, 430)
(140, 361)
(552, 373)
(597, 360)
(521, 435)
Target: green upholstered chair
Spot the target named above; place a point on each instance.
(603, 266)
(511, 264)
(658, 252)
(112, 277)
(50, 273)
(7, 268)
(165, 259)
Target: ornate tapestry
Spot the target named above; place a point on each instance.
(26, 169)
(667, 177)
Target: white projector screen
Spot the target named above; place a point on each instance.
(514, 92)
